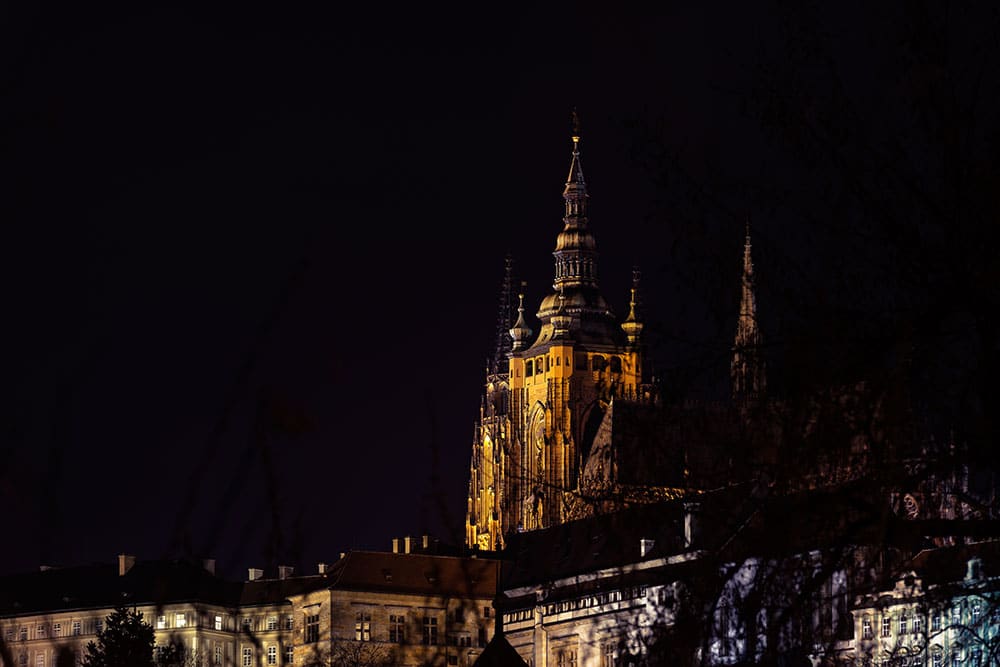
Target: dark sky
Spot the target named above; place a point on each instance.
(251, 257)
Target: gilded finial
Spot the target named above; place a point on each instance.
(576, 126)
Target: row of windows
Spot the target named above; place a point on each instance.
(915, 625)
(597, 363)
(269, 623)
(162, 622)
(271, 653)
(916, 658)
(43, 630)
(397, 631)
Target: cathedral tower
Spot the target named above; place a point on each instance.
(747, 369)
(534, 434)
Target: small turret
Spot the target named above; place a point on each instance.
(632, 326)
(520, 333)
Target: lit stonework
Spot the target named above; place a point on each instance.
(542, 412)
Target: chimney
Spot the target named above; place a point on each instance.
(125, 563)
(285, 571)
(645, 546)
(691, 527)
(209, 565)
(321, 568)
(253, 574)
(407, 546)
(395, 545)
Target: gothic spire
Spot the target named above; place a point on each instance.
(747, 370)
(576, 250)
(503, 346)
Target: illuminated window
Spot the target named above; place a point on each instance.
(22, 634)
(866, 628)
(218, 654)
(956, 615)
(918, 624)
(40, 632)
(247, 656)
(40, 659)
(312, 628)
(430, 637)
(272, 622)
(397, 625)
(161, 622)
(272, 655)
(180, 620)
(76, 628)
(936, 622)
(363, 627)
(57, 629)
(886, 626)
(218, 623)
(289, 622)
(902, 624)
(977, 609)
(289, 655)
(608, 655)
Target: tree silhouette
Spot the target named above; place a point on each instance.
(125, 641)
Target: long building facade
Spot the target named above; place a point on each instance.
(368, 608)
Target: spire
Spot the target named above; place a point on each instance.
(747, 370)
(576, 251)
(633, 325)
(520, 332)
(503, 347)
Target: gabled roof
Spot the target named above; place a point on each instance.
(420, 574)
(499, 653)
(277, 591)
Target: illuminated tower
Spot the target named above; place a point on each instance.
(747, 370)
(527, 456)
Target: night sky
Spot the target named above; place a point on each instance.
(251, 258)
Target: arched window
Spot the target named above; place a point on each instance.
(616, 364)
(598, 363)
